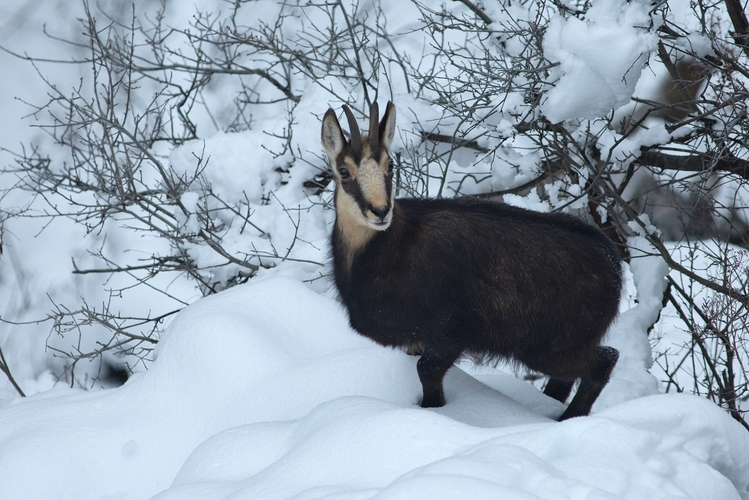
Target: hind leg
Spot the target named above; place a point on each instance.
(558, 388)
(592, 384)
(432, 367)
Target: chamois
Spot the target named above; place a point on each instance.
(452, 277)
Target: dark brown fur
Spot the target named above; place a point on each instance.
(462, 276)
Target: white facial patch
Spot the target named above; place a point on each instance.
(371, 181)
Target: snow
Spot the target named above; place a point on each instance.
(632, 378)
(245, 400)
(263, 390)
(592, 81)
(240, 163)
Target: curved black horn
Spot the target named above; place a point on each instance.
(353, 129)
(374, 117)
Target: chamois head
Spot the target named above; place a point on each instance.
(362, 167)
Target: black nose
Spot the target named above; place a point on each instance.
(380, 212)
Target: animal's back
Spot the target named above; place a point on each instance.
(491, 279)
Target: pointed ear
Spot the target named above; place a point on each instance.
(332, 136)
(387, 126)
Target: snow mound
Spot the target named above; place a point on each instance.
(263, 391)
(591, 82)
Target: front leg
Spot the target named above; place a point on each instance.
(432, 367)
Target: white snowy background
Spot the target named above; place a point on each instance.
(263, 391)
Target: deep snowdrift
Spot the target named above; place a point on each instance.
(263, 391)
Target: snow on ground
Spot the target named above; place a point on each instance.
(263, 391)
(246, 400)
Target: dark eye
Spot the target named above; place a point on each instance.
(343, 171)
(390, 166)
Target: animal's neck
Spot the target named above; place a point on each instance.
(352, 237)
